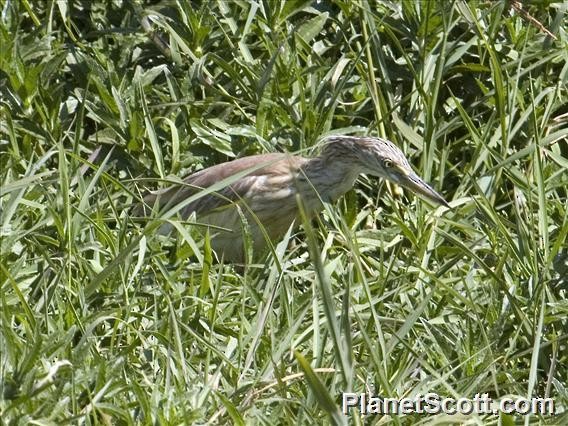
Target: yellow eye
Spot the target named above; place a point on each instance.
(387, 164)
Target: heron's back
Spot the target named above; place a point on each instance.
(264, 196)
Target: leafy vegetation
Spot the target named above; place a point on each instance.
(103, 321)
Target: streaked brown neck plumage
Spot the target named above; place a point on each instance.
(334, 171)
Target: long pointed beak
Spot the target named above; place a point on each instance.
(419, 187)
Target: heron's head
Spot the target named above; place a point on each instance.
(379, 157)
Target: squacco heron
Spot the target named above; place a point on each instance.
(270, 187)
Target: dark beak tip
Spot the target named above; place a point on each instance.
(445, 203)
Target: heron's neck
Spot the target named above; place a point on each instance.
(331, 176)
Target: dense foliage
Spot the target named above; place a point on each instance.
(103, 321)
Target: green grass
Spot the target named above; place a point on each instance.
(103, 321)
